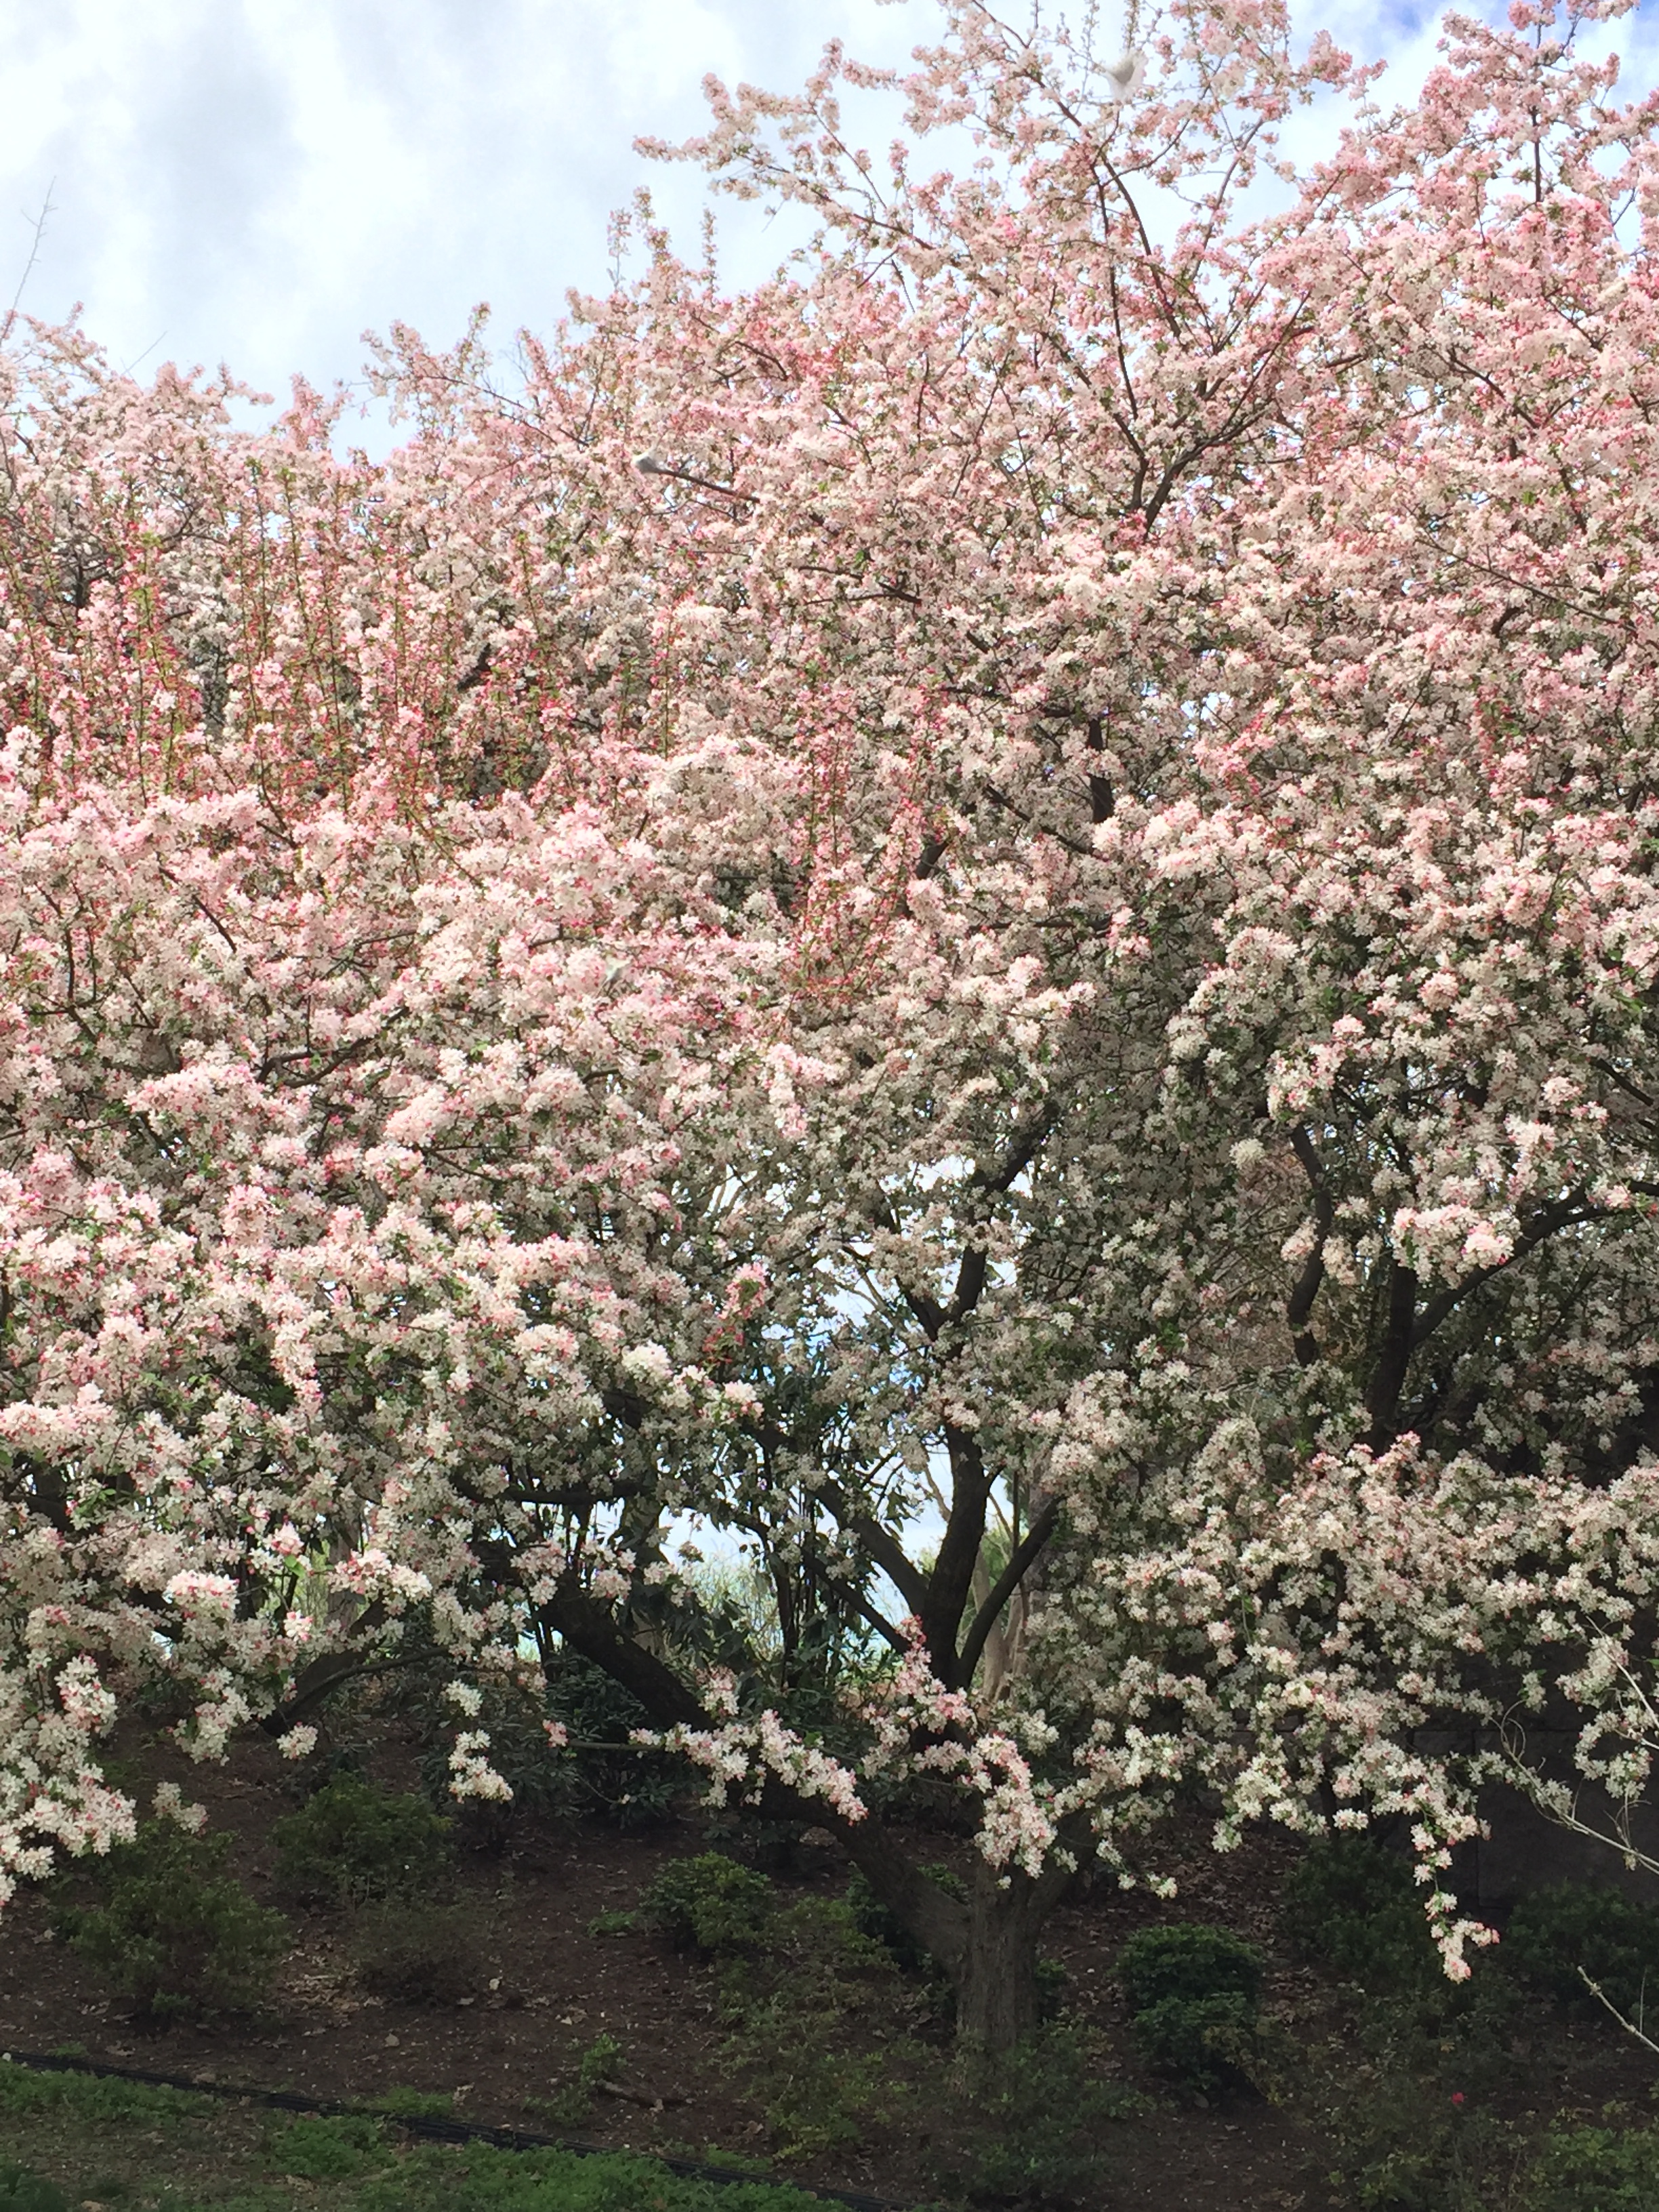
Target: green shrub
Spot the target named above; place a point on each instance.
(20, 2190)
(1041, 2114)
(1205, 2042)
(1402, 2146)
(1356, 1906)
(570, 2104)
(353, 1840)
(1594, 2170)
(424, 1958)
(1554, 1932)
(172, 1931)
(96, 2101)
(405, 2104)
(614, 1923)
(1187, 1961)
(709, 1903)
(340, 2150)
(810, 2017)
(1193, 1995)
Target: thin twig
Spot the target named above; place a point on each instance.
(1629, 2025)
(46, 209)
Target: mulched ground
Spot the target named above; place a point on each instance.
(544, 1988)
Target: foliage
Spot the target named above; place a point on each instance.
(1614, 1937)
(342, 2148)
(172, 1931)
(96, 2099)
(557, 2181)
(424, 1957)
(569, 2106)
(596, 1772)
(1193, 1995)
(141, 2128)
(625, 1785)
(352, 1840)
(1595, 2170)
(1400, 2148)
(1041, 2113)
(599, 2063)
(614, 1922)
(710, 1903)
(1408, 2105)
(817, 2028)
(404, 2103)
(1184, 1961)
(1355, 1906)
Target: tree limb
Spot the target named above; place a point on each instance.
(1033, 1542)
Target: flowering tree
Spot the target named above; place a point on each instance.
(987, 914)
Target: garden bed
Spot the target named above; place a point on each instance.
(566, 2012)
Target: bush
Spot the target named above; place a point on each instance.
(94, 2100)
(1042, 2108)
(1402, 2146)
(1594, 2170)
(1186, 1961)
(811, 2020)
(570, 2105)
(1613, 1937)
(709, 1903)
(406, 2104)
(338, 2150)
(353, 1840)
(1206, 2043)
(172, 1931)
(1193, 1995)
(1356, 1906)
(425, 1958)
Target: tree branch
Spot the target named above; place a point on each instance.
(1313, 1274)
(952, 1580)
(1033, 1542)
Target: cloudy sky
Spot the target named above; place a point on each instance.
(257, 181)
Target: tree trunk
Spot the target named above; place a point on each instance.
(996, 1982)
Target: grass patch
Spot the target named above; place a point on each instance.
(166, 2150)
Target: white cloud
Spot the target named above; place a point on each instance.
(259, 180)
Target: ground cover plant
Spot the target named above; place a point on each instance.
(985, 917)
(189, 2154)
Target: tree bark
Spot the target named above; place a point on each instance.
(996, 1983)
